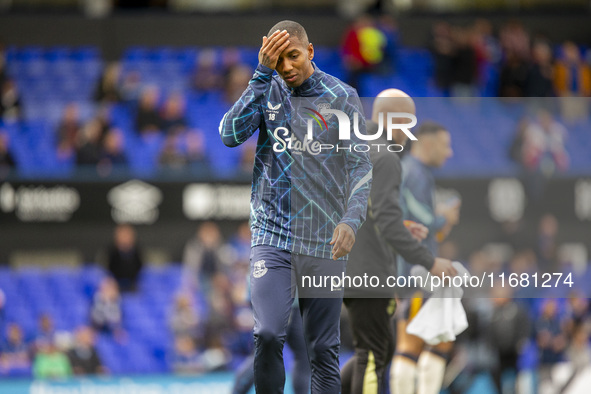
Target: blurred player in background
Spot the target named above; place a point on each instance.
(280, 239)
(381, 237)
(411, 361)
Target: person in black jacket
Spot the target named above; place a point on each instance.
(125, 259)
(379, 240)
(83, 356)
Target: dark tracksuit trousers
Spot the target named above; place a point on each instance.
(300, 373)
(272, 292)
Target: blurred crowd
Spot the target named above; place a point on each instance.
(97, 142)
(209, 320)
(527, 65)
(467, 59)
(538, 146)
(513, 330)
(519, 334)
(50, 354)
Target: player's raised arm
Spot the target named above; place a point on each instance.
(245, 116)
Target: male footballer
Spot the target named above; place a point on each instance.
(413, 361)
(306, 204)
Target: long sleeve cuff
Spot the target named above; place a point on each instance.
(264, 70)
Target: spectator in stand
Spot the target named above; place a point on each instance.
(552, 341)
(364, 49)
(579, 311)
(184, 320)
(220, 328)
(171, 155)
(148, 119)
(173, 114)
(50, 362)
(488, 50)
(543, 153)
(515, 40)
(131, 87)
(220, 323)
(83, 356)
(105, 313)
(108, 89)
(508, 330)
(46, 331)
(186, 358)
(443, 49)
(515, 65)
(230, 58)
(464, 63)
(539, 77)
(216, 356)
(103, 117)
(125, 258)
(513, 76)
(14, 354)
(112, 149)
(68, 130)
(572, 77)
(203, 257)
(195, 148)
(235, 74)
(207, 77)
(182, 150)
(10, 101)
(572, 80)
(89, 147)
(236, 81)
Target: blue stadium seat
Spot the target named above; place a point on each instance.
(160, 54)
(56, 54)
(135, 53)
(29, 53)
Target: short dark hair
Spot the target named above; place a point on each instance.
(293, 28)
(429, 127)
